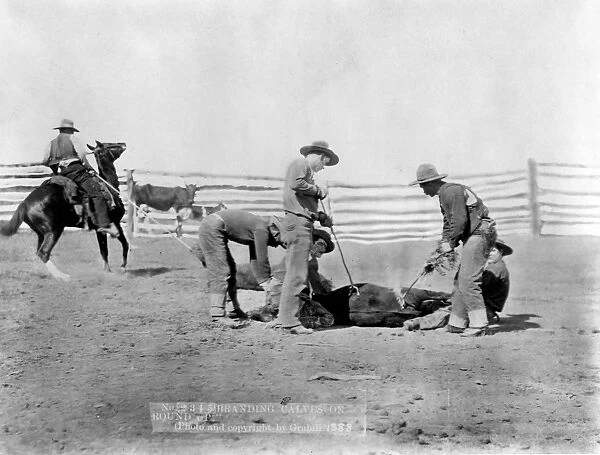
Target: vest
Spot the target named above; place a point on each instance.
(476, 210)
(61, 148)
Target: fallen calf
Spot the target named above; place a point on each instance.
(375, 305)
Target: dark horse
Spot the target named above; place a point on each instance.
(47, 211)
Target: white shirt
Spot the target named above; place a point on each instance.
(81, 150)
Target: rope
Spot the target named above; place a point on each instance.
(411, 286)
(352, 287)
(423, 273)
(171, 233)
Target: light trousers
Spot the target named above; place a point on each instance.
(297, 234)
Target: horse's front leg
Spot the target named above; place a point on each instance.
(103, 244)
(124, 244)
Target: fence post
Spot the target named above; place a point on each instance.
(534, 207)
(130, 206)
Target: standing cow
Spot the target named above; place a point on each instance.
(163, 198)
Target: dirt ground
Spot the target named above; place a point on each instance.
(81, 361)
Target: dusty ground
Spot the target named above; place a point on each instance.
(80, 362)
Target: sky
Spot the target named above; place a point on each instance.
(237, 87)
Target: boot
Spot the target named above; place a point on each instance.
(237, 312)
(474, 332)
(493, 317)
(217, 305)
(217, 313)
(263, 314)
(298, 330)
(478, 321)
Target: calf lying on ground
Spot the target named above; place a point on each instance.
(374, 305)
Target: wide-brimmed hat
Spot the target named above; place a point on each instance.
(506, 250)
(321, 234)
(427, 173)
(66, 124)
(323, 148)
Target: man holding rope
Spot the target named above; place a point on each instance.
(300, 202)
(494, 289)
(466, 220)
(316, 283)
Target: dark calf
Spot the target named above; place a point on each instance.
(378, 306)
(163, 198)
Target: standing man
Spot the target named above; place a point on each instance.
(466, 220)
(316, 284)
(62, 157)
(246, 228)
(301, 205)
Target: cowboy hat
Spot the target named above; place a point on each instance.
(503, 247)
(66, 124)
(321, 147)
(321, 234)
(427, 173)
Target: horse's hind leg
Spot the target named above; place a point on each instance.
(46, 242)
(103, 244)
(124, 244)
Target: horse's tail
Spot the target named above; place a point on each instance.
(12, 226)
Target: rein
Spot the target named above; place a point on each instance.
(171, 233)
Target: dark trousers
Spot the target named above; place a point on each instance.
(80, 175)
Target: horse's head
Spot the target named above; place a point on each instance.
(106, 153)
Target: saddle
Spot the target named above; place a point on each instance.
(80, 201)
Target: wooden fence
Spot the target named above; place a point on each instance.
(544, 199)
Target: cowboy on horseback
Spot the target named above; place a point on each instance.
(62, 157)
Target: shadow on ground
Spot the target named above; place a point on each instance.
(516, 323)
(151, 271)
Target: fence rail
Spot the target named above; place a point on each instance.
(543, 199)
